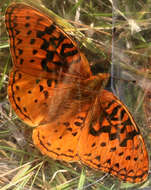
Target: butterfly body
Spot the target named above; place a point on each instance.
(51, 87)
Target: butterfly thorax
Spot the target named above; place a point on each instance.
(70, 97)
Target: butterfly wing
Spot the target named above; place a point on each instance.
(36, 42)
(43, 56)
(59, 140)
(113, 143)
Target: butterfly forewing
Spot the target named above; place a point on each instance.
(37, 43)
(113, 142)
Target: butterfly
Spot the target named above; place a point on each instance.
(51, 88)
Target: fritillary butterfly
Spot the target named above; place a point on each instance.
(51, 87)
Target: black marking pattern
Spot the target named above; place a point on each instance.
(63, 48)
(120, 126)
(123, 173)
(55, 46)
(23, 112)
(55, 152)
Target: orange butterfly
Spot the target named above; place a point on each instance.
(51, 88)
